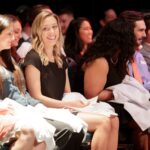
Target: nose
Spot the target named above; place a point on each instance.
(51, 30)
(13, 37)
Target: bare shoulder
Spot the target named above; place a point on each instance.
(99, 65)
(101, 62)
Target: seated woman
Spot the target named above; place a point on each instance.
(47, 69)
(12, 85)
(23, 139)
(17, 30)
(78, 37)
(105, 65)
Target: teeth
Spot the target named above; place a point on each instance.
(51, 38)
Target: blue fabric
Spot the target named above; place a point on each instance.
(146, 54)
(12, 92)
(143, 69)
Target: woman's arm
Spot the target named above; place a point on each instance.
(32, 75)
(95, 78)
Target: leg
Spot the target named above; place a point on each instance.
(113, 137)
(25, 140)
(39, 146)
(101, 126)
(139, 138)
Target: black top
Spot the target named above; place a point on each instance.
(53, 79)
(113, 77)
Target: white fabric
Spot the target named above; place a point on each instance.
(63, 115)
(26, 117)
(25, 36)
(11, 133)
(24, 48)
(136, 100)
(101, 108)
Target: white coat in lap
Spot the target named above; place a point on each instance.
(24, 117)
(136, 100)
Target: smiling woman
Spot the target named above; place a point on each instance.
(17, 33)
(51, 80)
(13, 86)
(50, 35)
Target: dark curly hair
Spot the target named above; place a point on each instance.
(115, 39)
(131, 16)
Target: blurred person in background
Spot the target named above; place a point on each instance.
(66, 15)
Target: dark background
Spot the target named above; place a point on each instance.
(91, 9)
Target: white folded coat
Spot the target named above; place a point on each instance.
(136, 100)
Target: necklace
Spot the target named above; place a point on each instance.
(114, 62)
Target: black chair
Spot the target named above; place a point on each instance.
(125, 147)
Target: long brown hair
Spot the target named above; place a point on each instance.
(6, 58)
(12, 66)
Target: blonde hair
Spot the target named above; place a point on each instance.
(37, 43)
(5, 22)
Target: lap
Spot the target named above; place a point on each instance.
(65, 137)
(59, 125)
(94, 120)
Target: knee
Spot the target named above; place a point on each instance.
(27, 134)
(115, 123)
(105, 124)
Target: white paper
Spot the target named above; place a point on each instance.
(93, 107)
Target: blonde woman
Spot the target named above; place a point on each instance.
(47, 80)
(12, 85)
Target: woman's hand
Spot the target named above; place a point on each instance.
(76, 103)
(105, 95)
